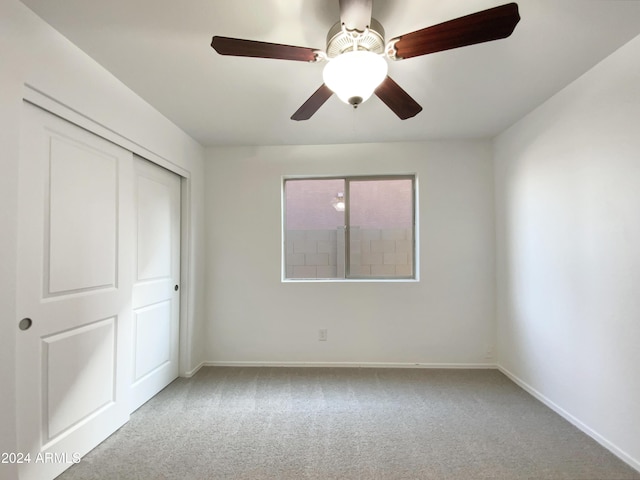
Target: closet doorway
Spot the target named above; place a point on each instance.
(98, 289)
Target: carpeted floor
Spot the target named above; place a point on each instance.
(340, 423)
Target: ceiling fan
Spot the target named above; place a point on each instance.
(356, 50)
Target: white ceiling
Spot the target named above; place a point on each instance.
(161, 50)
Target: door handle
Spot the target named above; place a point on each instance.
(176, 288)
(25, 324)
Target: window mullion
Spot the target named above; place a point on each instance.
(347, 231)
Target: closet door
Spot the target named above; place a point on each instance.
(74, 292)
(156, 295)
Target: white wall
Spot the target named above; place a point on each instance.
(568, 243)
(34, 53)
(446, 318)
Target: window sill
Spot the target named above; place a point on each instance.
(350, 280)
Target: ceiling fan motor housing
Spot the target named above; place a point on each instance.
(340, 41)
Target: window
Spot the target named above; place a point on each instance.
(349, 228)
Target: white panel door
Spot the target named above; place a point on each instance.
(156, 296)
(74, 292)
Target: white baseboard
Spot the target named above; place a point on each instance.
(193, 371)
(618, 452)
(351, 364)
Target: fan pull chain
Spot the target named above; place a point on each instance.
(353, 122)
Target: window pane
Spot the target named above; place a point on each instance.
(314, 228)
(381, 228)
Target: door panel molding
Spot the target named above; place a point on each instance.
(90, 369)
(80, 213)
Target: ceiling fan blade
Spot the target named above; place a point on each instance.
(311, 106)
(355, 15)
(250, 48)
(399, 101)
(484, 26)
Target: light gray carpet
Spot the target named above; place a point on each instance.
(338, 423)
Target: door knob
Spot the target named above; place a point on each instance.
(176, 288)
(25, 324)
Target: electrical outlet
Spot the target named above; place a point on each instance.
(322, 335)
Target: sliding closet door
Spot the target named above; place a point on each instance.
(156, 296)
(74, 292)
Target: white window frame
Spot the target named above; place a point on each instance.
(348, 277)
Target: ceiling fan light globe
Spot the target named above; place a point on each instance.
(354, 75)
